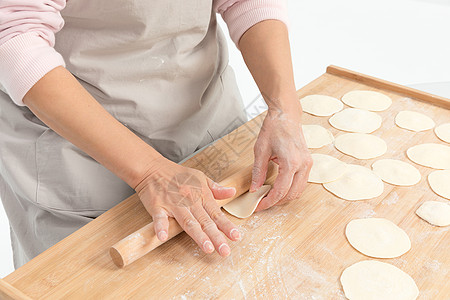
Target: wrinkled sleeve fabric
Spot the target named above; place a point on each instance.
(240, 15)
(27, 37)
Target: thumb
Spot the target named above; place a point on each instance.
(259, 172)
(221, 192)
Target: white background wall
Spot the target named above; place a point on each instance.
(404, 41)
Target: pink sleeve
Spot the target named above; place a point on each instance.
(240, 15)
(27, 37)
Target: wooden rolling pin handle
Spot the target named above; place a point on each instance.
(145, 240)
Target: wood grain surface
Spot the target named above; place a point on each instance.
(8, 292)
(294, 251)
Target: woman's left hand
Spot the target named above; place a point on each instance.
(281, 140)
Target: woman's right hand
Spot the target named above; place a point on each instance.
(171, 190)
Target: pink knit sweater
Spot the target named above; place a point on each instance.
(28, 27)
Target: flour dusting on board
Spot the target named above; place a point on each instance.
(423, 236)
(400, 262)
(365, 210)
(254, 222)
(392, 198)
(309, 281)
(433, 265)
(263, 265)
(407, 103)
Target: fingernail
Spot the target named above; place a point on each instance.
(235, 234)
(219, 187)
(162, 235)
(229, 188)
(208, 246)
(224, 250)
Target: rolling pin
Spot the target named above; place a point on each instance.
(145, 240)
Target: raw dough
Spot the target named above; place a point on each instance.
(321, 105)
(356, 120)
(244, 205)
(360, 145)
(326, 168)
(374, 280)
(369, 100)
(440, 182)
(317, 136)
(435, 213)
(443, 132)
(431, 155)
(357, 183)
(414, 121)
(396, 172)
(377, 237)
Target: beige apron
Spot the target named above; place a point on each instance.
(159, 67)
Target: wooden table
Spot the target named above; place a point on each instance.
(294, 251)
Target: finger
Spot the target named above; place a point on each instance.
(222, 222)
(160, 223)
(259, 172)
(298, 183)
(210, 228)
(192, 227)
(296, 189)
(220, 192)
(280, 188)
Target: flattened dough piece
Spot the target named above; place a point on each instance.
(413, 121)
(357, 183)
(244, 205)
(326, 168)
(396, 172)
(356, 120)
(369, 100)
(440, 182)
(360, 145)
(374, 280)
(321, 105)
(317, 136)
(377, 237)
(443, 132)
(430, 155)
(434, 212)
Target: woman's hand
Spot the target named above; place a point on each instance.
(171, 190)
(281, 140)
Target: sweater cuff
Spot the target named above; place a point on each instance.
(24, 60)
(241, 16)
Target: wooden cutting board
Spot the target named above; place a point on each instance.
(295, 251)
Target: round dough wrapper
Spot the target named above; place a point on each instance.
(244, 205)
(321, 105)
(440, 182)
(414, 121)
(430, 155)
(434, 212)
(356, 120)
(357, 183)
(396, 172)
(377, 237)
(360, 145)
(317, 136)
(374, 280)
(368, 100)
(326, 168)
(443, 132)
